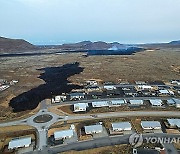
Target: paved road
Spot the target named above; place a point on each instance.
(43, 127)
(170, 149)
(98, 142)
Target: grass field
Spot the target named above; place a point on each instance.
(161, 64)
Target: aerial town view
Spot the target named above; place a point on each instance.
(95, 77)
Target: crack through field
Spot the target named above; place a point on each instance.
(56, 79)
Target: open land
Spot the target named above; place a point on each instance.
(163, 64)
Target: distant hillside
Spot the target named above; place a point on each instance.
(14, 45)
(175, 42)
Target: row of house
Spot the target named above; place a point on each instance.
(78, 107)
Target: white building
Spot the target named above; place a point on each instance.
(164, 92)
(118, 102)
(80, 107)
(93, 129)
(177, 101)
(171, 102)
(121, 126)
(100, 104)
(58, 135)
(77, 96)
(135, 102)
(144, 87)
(92, 82)
(19, 143)
(109, 87)
(156, 102)
(150, 125)
(174, 122)
(59, 98)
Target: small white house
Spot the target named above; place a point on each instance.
(150, 125)
(135, 102)
(109, 87)
(114, 103)
(91, 82)
(174, 122)
(121, 126)
(100, 103)
(171, 102)
(60, 98)
(156, 102)
(93, 129)
(19, 143)
(77, 96)
(80, 107)
(177, 101)
(164, 92)
(58, 135)
(144, 87)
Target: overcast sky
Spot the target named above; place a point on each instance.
(65, 21)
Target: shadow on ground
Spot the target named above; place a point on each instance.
(56, 83)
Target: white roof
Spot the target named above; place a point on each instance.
(81, 106)
(100, 103)
(145, 86)
(136, 102)
(171, 101)
(19, 142)
(93, 128)
(109, 87)
(150, 124)
(156, 102)
(63, 134)
(164, 91)
(177, 101)
(121, 125)
(174, 122)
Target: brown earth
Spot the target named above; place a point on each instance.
(147, 65)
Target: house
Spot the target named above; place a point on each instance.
(100, 103)
(156, 102)
(177, 101)
(59, 98)
(92, 88)
(77, 96)
(171, 102)
(93, 129)
(130, 91)
(174, 122)
(150, 125)
(109, 87)
(92, 82)
(118, 102)
(144, 87)
(80, 107)
(64, 134)
(146, 92)
(164, 92)
(95, 93)
(121, 126)
(175, 82)
(112, 92)
(140, 82)
(19, 143)
(135, 102)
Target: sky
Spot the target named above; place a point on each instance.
(69, 21)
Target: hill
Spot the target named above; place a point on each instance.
(14, 45)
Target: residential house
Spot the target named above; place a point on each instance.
(156, 102)
(118, 102)
(64, 134)
(109, 87)
(100, 104)
(151, 125)
(174, 122)
(130, 91)
(93, 129)
(121, 126)
(19, 143)
(80, 107)
(77, 96)
(135, 102)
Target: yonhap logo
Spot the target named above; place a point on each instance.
(136, 140)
